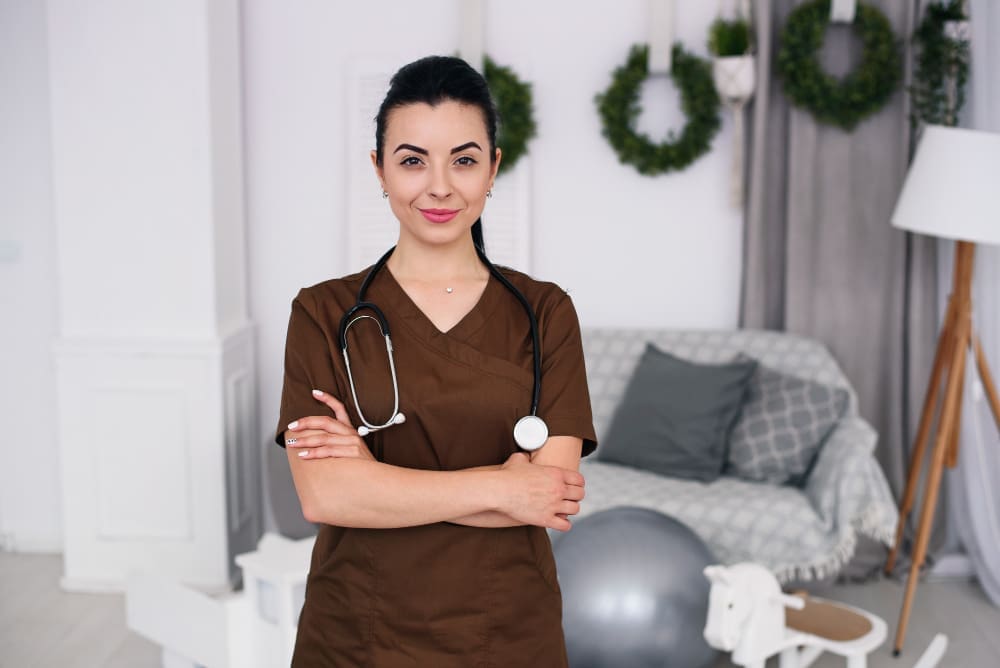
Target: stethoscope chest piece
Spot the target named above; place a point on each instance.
(530, 432)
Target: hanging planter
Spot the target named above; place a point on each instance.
(942, 40)
(734, 74)
(619, 108)
(841, 102)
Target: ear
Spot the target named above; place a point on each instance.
(379, 172)
(496, 165)
(716, 574)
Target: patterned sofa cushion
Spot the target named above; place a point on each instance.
(782, 426)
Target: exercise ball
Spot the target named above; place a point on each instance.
(633, 591)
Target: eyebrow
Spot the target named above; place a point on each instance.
(423, 151)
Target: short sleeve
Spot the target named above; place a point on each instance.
(564, 403)
(308, 365)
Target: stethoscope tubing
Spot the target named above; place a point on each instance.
(349, 319)
(393, 418)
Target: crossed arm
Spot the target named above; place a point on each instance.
(334, 457)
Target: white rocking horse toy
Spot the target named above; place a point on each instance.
(747, 616)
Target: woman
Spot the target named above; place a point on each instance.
(432, 548)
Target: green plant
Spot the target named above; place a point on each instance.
(619, 109)
(846, 101)
(729, 37)
(938, 90)
(514, 105)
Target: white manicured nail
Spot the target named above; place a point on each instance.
(304, 453)
(318, 393)
(293, 425)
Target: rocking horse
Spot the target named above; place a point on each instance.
(747, 616)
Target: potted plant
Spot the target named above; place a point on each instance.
(729, 37)
(733, 68)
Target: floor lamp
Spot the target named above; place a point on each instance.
(952, 191)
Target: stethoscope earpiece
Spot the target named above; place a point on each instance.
(398, 418)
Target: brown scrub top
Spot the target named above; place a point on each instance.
(436, 595)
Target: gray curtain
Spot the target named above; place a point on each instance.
(974, 511)
(821, 258)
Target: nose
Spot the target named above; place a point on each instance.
(439, 186)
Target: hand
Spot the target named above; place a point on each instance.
(539, 494)
(338, 438)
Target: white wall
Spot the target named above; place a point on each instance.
(29, 481)
(632, 250)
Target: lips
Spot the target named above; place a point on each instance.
(439, 215)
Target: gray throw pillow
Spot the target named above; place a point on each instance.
(782, 427)
(675, 416)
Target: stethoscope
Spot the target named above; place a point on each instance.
(530, 432)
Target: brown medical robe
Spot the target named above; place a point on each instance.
(438, 595)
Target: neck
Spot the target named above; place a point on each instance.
(415, 261)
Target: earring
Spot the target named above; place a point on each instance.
(489, 193)
(385, 194)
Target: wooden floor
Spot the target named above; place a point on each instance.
(42, 626)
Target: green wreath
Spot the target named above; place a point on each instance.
(940, 59)
(862, 92)
(619, 108)
(513, 100)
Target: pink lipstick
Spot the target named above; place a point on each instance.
(439, 215)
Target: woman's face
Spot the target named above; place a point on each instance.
(436, 168)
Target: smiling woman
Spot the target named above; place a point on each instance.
(432, 547)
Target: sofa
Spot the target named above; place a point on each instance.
(800, 532)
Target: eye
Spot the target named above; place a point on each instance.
(466, 160)
(410, 161)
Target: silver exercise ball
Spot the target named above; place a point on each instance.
(633, 591)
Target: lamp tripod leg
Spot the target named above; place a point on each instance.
(940, 368)
(951, 454)
(951, 413)
(987, 379)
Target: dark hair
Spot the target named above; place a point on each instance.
(435, 79)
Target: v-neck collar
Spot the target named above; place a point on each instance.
(404, 306)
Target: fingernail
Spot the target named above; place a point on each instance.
(293, 425)
(303, 453)
(318, 393)
(291, 441)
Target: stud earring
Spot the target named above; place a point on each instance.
(489, 193)
(385, 194)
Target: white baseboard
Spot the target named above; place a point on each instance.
(954, 566)
(29, 543)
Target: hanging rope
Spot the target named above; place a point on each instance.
(470, 37)
(661, 36)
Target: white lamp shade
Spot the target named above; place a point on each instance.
(953, 187)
